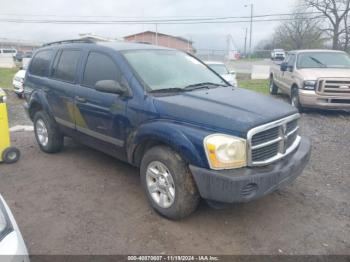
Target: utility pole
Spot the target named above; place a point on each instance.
(245, 42)
(251, 29)
(156, 34)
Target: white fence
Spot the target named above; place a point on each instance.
(7, 62)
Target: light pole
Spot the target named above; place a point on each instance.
(156, 34)
(245, 42)
(251, 29)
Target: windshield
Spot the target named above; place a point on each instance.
(323, 60)
(169, 69)
(219, 68)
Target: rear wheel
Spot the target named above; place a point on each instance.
(10, 155)
(168, 183)
(294, 99)
(47, 133)
(272, 87)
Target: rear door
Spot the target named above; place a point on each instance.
(63, 84)
(101, 116)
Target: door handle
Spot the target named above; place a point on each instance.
(80, 99)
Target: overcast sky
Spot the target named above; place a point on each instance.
(207, 36)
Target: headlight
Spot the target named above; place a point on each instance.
(5, 224)
(225, 152)
(310, 85)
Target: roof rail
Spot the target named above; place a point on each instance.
(89, 40)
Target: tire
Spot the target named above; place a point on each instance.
(47, 133)
(19, 95)
(272, 87)
(10, 155)
(294, 99)
(185, 197)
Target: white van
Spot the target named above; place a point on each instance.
(8, 52)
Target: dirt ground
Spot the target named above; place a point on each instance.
(81, 201)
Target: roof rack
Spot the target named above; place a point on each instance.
(89, 41)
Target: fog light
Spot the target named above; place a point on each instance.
(249, 191)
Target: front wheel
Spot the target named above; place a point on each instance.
(168, 183)
(272, 87)
(294, 99)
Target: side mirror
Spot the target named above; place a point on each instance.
(232, 72)
(110, 86)
(284, 66)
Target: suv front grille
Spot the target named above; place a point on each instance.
(270, 142)
(334, 86)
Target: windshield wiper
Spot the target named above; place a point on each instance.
(317, 61)
(206, 85)
(168, 90)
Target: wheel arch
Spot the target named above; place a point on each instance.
(294, 86)
(165, 134)
(37, 103)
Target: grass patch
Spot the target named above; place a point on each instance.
(6, 76)
(257, 85)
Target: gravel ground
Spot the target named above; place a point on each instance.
(81, 201)
(16, 111)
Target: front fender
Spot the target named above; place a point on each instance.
(184, 139)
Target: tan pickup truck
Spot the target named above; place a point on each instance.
(313, 79)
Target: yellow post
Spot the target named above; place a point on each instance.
(4, 126)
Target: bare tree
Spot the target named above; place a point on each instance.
(301, 32)
(335, 12)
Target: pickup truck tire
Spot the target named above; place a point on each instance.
(272, 87)
(168, 183)
(294, 99)
(47, 133)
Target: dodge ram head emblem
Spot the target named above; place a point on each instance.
(284, 138)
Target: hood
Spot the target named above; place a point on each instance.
(315, 73)
(230, 110)
(21, 73)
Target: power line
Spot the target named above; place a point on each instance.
(98, 22)
(128, 19)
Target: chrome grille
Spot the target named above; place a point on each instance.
(265, 136)
(334, 86)
(265, 153)
(270, 142)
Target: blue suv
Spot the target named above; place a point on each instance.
(191, 134)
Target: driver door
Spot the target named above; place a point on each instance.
(100, 117)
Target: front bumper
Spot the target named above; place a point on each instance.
(12, 246)
(18, 87)
(246, 184)
(310, 99)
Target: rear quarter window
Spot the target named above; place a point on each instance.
(41, 63)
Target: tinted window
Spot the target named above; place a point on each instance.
(41, 63)
(67, 65)
(100, 67)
